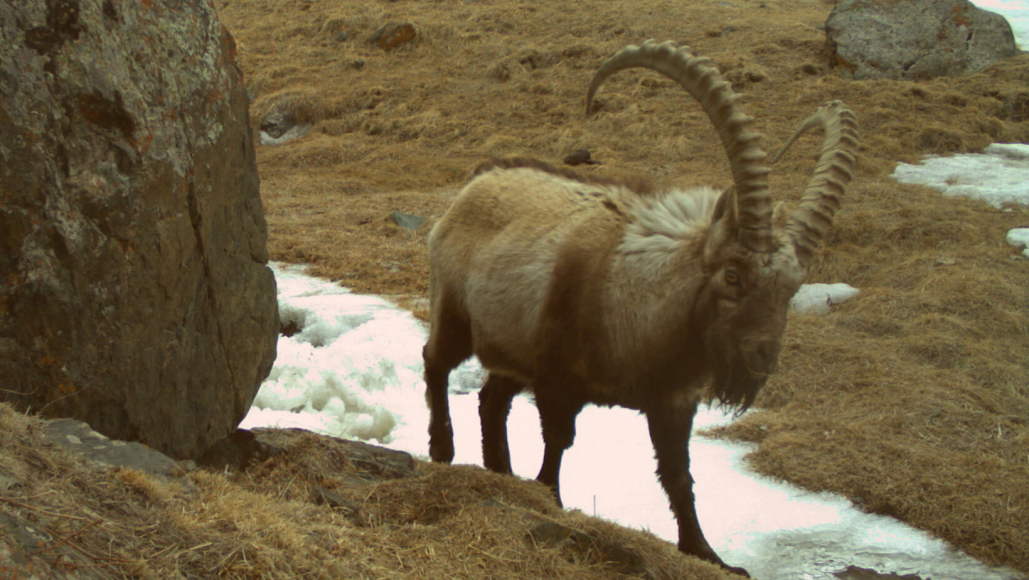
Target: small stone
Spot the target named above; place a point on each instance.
(407, 221)
(277, 122)
(810, 69)
(858, 573)
(580, 157)
(393, 35)
(293, 133)
(237, 451)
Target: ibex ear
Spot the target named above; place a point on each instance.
(724, 225)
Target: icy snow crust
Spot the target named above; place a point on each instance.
(353, 370)
(997, 176)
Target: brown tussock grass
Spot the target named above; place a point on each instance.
(912, 399)
(444, 522)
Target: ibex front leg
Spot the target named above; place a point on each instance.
(494, 406)
(441, 433)
(670, 427)
(450, 343)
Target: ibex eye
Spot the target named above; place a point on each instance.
(731, 277)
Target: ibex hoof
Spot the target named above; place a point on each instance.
(736, 570)
(441, 451)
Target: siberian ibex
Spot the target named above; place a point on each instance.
(590, 291)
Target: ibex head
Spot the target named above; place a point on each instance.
(754, 256)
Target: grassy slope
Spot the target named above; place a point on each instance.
(912, 399)
(80, 520)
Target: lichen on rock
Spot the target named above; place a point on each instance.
(133, 287)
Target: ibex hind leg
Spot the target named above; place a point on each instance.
(494, 407)
(449, 344)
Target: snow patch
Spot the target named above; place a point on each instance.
(817, 298)
(996, 176)
(1019, 237)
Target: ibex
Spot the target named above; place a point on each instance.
(592, 291)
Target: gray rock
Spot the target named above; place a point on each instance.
(393, 34)
(857, 573)
(277, 122)
(406, 220)
(580, 157)
(279, 125)
(365, 463)
(294, 132)
(134, 291)
(20, 555)
(80, 438)
(916, 39)
(238, 451)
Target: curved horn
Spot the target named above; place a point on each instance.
(821, 199)
(701, 80)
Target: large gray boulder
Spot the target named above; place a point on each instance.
(134, 291)
(916, 39)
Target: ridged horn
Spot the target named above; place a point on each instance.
(813, 216)
(703, 82)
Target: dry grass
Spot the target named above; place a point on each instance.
(912, 399)
(447, 522)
